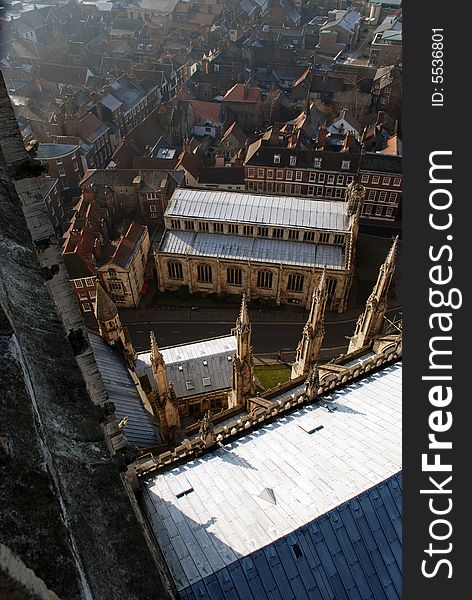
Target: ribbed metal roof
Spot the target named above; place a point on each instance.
(232, 247)
(257, 497)
(186, 368)
(122, 392)
(282, 211)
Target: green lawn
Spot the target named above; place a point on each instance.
(272, 375)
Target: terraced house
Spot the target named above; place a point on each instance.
(289, 171)
(270, 247)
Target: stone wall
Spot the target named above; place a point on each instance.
(291, 400)
(278, 292)
(65, 507)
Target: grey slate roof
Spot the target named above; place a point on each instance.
(244, 207)
(306, 507)
(48, 151)
(383, 163)
(186, 369)
(122, 392)
(260, 154)
(110, 102)
(77, 266)
(263, 250)
(352, 552)
(222, 175)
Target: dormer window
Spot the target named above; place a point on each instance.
(293, 161)
(345, 165)
(317, 163)
(276, 158)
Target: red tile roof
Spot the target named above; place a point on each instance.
(190, 163)
(238, 133)
(242, 93)
(206, 110)
(393, 146)
(127, 245)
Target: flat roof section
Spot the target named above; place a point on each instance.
(255, 250)
(252, 494)
(237, 207)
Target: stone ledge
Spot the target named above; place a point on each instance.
(329, 382)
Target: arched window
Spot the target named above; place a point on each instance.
(331, 286)
(204, 274)
(295, 282)
(174, 268)
(264, 279)
(235, 276)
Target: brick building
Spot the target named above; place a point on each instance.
(381, 175)
(322, 174)
(82, 276)
(65, 163)
(293, 172)
(242, 103)
(142, 194)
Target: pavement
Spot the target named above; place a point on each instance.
(224, 315)
(272, 331)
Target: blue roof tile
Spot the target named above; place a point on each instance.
(265, 574)
(245, 588)
(314, 563)
(214, 590)
(350, 553)
(253, 579)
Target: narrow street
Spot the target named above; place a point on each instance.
(272, 331)
(267, 337)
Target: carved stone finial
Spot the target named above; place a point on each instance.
(370, 322)
(207, 432)
(309, 347)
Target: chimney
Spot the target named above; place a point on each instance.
(245, 91)
(97, 250)
(349, 141)
(321, 140)
(380, 118)
(70, 125)
(343, 113)
(238, 160)
(275, 135)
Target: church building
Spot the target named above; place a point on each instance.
(270, 247)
